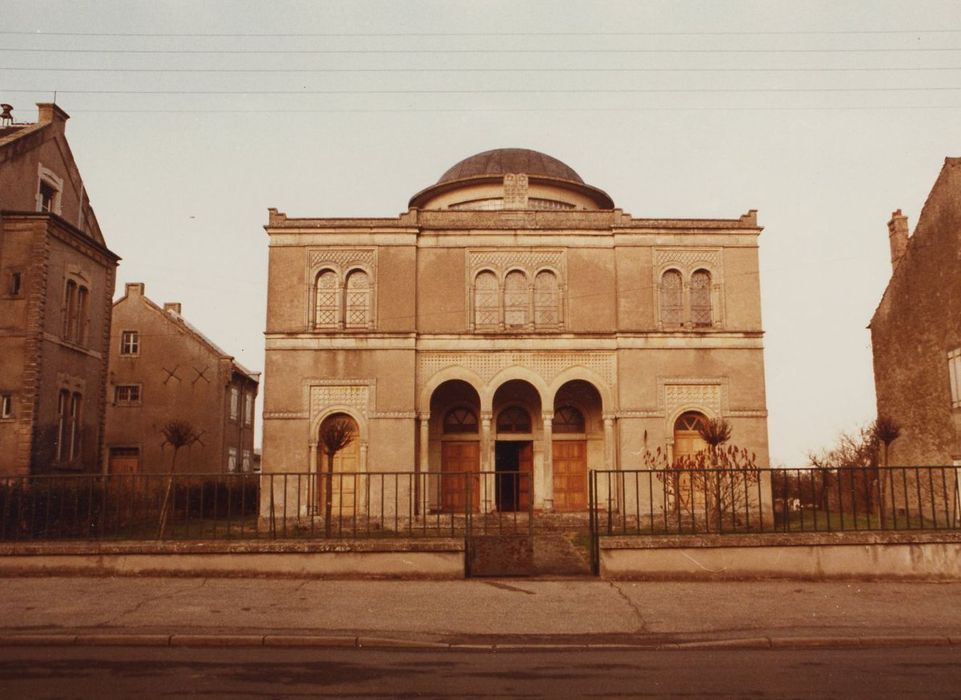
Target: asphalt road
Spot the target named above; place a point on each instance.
(104, 672)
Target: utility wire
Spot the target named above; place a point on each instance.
(276, 35)
(34, 69)
(553, 52)
(499, 91)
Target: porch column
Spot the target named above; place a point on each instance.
(308, 499)
(609, 443)
(422, 493)
(548, 475)
(487, 503)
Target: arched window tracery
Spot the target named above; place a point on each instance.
(514, 420)
(327, 301)
(516, 299)
(357, 313)
(546, 299)
(486, 302)
(702, 313)
(459, 420)
(568, 419)
(672, 299)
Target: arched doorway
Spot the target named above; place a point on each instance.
(455, 446)
(337, 479)
(577, 440)
(516, 414)
(687, 438)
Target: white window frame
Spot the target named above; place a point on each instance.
(129, 343)
(246, 463)
(234, 403)
(50, 178)
(232, 460)
(6, 405)
(954, 376)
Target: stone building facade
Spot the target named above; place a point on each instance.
(511, 319)
(916, 329)
(163, 369)
(56, 286)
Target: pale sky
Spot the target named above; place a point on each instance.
(824, 116)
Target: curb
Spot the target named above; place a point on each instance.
(329, 641)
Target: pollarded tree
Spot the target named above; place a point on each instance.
(335, 434)
(178, 434)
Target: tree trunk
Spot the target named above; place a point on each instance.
(165, 508)
(328, 494)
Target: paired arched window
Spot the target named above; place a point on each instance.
(686, 306)
(75, 298)
(343, 302)
(517, 304)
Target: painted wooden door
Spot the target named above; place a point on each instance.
(344, 490)
(458, 458)
(570, 475)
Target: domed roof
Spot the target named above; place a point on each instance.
(502, 161)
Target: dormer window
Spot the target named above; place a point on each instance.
(49, 187)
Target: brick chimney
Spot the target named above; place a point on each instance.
(134, 289)
(898, 235)
(172, 306)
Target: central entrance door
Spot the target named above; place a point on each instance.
(570, 476)
(458, 461)
(513, 464)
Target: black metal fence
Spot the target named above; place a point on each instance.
(282, 505)
(696, 501)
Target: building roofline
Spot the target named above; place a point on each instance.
(64, 224)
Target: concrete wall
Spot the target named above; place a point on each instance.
(933, 555)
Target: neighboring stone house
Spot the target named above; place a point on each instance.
(163, 369)
(916, 329)
(56, 288)
(511, 319)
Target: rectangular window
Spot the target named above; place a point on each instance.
(63, 416)
(232, 459)
(248, 409)
(130, 342)
(954, 374)
(234, 402)
(75, 426)
(126, 394)
(15, 284)
(246, 463)
(6, 405)
(47, 197)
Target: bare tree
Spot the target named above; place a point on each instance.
(335, 435)
(178, 434)
(886, 430)
(716, 483)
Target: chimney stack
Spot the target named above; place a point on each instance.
(898, 235)
(172, 306)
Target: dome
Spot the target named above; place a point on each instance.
(510, 160)
(535, 181)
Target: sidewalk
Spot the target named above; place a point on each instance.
(501, 612)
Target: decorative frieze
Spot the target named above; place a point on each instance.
(687, 258)
(341, 258)
(502, 260)
(681, 393)
(547, 365)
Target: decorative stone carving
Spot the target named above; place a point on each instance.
(515, 191)
(546, 364)
(687, 258)
(355, 396)
(705, 396)
(530, 261)
(342, 258)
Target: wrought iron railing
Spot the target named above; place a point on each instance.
(269, 505)
(719, 501)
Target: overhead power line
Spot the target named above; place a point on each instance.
(530, 110)
(553, 52)
(496, 91)
(277, 35)
(561, 70)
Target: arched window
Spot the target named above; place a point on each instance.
(69, 306)
(568, 419)
(327, 305)
(486, 303)
(358, 299)
(672, 302)
(546, 299)
(701, 312)
(460, 420)
(687, 438)
(514, 420)
(516, 299)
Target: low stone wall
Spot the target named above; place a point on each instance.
(432, 559)
(871, 555)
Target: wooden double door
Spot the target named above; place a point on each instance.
(513, 485)
(570, 475)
